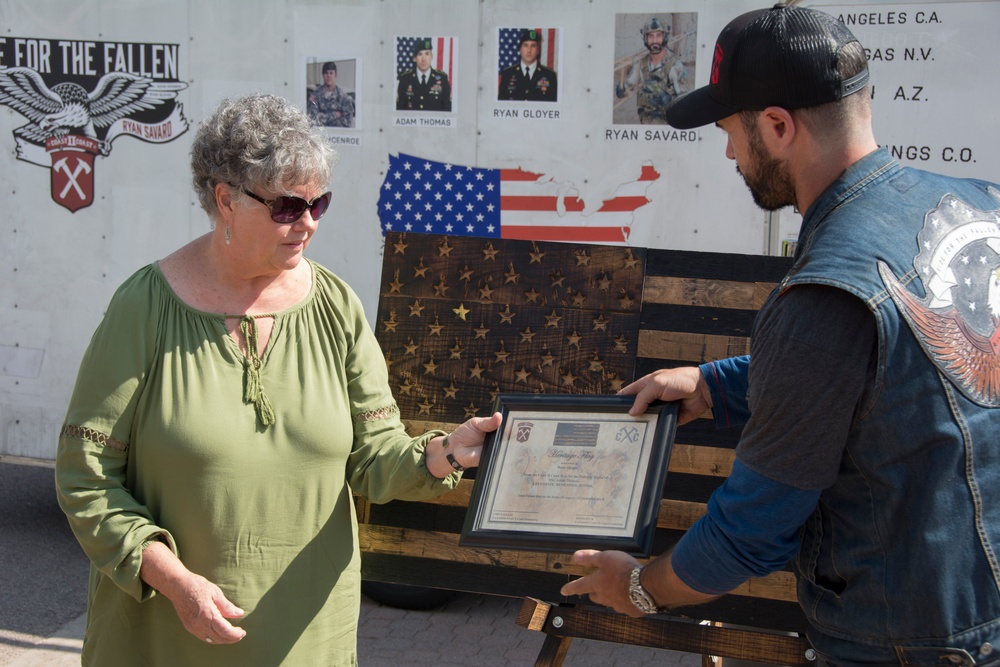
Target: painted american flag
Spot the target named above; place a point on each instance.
(508, 51)
(444, 55)
(431, 197)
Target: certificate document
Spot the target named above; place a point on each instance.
(558, 475)
(571, 473)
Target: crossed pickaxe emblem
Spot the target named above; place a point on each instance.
(71, 182)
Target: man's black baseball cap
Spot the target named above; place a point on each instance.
(783, 56)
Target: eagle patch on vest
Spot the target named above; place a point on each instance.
(956, 322)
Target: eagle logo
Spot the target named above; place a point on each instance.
(957, 322)
(67, 125)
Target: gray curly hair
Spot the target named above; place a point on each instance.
(258, 142)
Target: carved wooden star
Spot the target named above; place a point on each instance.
(532, 295)
(625, 301)
(547, 359)
(441, 288)
(400, 248)
(465, 273)
(395, 284)
(616, 383)
(568, 379)
(476, 371)
(630, 261)
(557, 278)
(435, 329)
(600, 323)
(471, 410)
(574, 339)
(552, 320)
(444, 249)
(481, 331)
(419, 270)
(461, 311)
(511, 276)
(425, 408)
(621, 344)
(489, 252)
(416, 310)
(411, 348)
(456, 352)
(391, 323)
(527, 335)
(582, 258)
(406, 386)
(430, 367)
(536, 256)
(604, 283)
(502, 354)
(485, 293)
(522, 375)
(578, 299)
(506, 316)
(596, 364)
(451, 391)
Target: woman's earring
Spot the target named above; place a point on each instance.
(228, 236)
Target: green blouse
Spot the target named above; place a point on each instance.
(162, 441)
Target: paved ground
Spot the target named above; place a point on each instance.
(43, 598)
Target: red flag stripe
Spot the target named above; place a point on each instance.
(572, 204)
(578, 234)
(518, 175)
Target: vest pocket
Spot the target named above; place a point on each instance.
(815, 562)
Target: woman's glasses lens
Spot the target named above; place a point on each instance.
(289, 209)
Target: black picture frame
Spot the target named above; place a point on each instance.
(596, 485)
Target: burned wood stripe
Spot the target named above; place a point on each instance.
(695, 348)
(681, 291)
(444, 546)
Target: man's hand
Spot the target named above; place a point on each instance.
(607, 586)
(684, 384)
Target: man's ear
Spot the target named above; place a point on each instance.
(777, 128)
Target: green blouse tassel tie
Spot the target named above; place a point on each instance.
(253, 392)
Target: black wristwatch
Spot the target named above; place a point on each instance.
(642, 600)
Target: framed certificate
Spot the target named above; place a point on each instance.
(568, 472)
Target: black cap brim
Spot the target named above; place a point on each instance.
(695, 109)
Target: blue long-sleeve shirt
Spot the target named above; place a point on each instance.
(796, 400)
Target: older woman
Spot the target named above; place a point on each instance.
(228, 404)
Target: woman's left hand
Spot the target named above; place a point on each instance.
(465, 445)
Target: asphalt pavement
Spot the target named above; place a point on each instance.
(43, 598)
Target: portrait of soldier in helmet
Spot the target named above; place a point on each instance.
(647, 80)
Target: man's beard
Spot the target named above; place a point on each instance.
(769, 183)
(655, 48)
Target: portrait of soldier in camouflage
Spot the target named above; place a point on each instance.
(656, 75)
(327, 102)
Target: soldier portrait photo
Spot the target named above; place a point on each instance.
(424, 69)
(654, 63)
(331, 97)
(526, 58)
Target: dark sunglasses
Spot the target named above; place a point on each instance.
(285, 209)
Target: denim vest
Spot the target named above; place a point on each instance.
(899, 561)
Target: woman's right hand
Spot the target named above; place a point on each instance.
(201, 605)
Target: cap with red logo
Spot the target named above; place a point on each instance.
(783, 56)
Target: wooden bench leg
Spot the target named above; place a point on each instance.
(553, 651)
